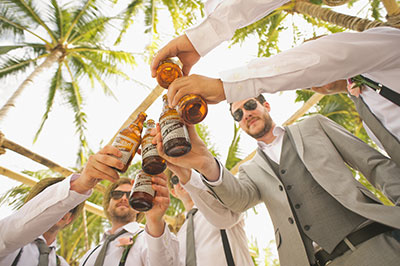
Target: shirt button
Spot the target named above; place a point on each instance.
(290, 220)
(307, 227)
(297, 206)
(283, 171)
(280, 188)
(289, 187)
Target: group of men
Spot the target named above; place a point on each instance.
(321, 214)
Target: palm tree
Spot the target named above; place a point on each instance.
(183, 13)
(68, 40)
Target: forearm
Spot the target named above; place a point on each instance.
(214, 211)
(225, 18)
(328, 56)
(37, 216)
(162, 250)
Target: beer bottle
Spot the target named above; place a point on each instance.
(152, 163)
(174, 133)
(191, 107)
(128, 140)
(142, 194)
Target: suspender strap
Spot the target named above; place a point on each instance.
(227, 248)
(15, 262)
(90, 255)
(381, 89)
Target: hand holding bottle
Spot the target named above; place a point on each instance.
(98, 167)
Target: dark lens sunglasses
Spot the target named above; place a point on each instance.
(117, 194)
(250, 105)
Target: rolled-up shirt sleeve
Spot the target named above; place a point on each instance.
(163, 250)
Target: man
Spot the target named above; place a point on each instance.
(372, 53)
(20, 241)
(126, 241)
(211, 234)
(321, 214)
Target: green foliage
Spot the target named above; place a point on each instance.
(233, 153)
(204, 134)
(269, 258)
(77, 30)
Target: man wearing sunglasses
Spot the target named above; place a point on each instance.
(127, 243)
(321, 214)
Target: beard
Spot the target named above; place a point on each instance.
(122, 216)
(267, 120)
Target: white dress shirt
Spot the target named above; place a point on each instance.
(373, 53)
(146, 251)
(34, 218)
(211, 217)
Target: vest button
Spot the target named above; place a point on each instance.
(280, 188)
(289, 187)
(297, 206)
(307, 227)
(290, 220)
(283, 171)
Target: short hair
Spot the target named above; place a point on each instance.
(260, 98)
(47, 182)
(107, 197)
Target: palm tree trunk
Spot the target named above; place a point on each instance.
(392, 8)
(349, 22)
(335, 2)
(50, 60)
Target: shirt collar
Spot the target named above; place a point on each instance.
(52, 245)
(132, 227)
(278, 132)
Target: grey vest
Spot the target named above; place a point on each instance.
(321, 218)
(388, 141)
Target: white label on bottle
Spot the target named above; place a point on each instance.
(143, 184)
(172, 128)
(148, 149)
(126, 145)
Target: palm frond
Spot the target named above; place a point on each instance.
(204, 134)
(91, 32)
(54, 86)
(7, 29)
(233, 153)
(32, 12)
(12, 65)
(128, 18)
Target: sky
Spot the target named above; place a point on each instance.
(59, 143)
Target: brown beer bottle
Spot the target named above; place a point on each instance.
(174, 133)
(152, 163)
(128, 140)
(191, 107)
(142, 194)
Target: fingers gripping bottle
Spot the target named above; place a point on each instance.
(174, 133)
(191, 107)
(128, 140)
(152, 163)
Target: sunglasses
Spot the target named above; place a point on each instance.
(117, 194)
(250, 105)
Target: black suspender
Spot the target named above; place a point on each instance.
(381, 89)
(227, 248)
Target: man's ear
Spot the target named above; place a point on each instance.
(267, 106)
(68, 217)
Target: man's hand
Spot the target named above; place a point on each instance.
(98, 167)
(180, 47)
(354, 89)
(212, 90)
(198, 158)
(154, 217)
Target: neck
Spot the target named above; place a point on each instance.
(269, 137)
(188, 204)
(117, 225)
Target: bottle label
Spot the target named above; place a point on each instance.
(148, 149)
(172, 127)
(126, 145)
(143, 184)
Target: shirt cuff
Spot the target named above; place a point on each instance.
(159, 243)
(74, 177)
(217, 182)
(195, 182)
